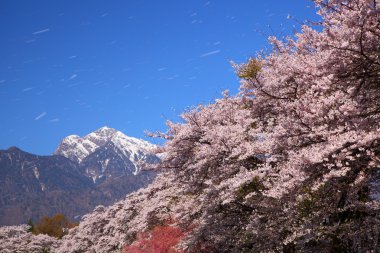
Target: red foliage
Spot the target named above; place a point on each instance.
(162, 239)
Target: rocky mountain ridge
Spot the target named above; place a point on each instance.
(69, 182)
(77, 148)
(93, 153)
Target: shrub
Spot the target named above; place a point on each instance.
(56, 226)
(162, 239)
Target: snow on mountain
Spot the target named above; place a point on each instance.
(78, 148)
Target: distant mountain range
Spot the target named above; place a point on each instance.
(99, 168)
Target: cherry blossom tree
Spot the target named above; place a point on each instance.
(313, 102)
(18, 239)
(212, 144)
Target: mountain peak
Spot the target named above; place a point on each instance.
(14, 149)
(73, 137)
(77, 148)
(106, 129)
(102, 135)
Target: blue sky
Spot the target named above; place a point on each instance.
(70, 67)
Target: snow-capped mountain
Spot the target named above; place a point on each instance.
(99, 168)
(107, 153)
(77, 148)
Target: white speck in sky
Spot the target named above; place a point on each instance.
(73, 84)
(30, 41)
(73, 76)
(173, 77)
(55, 120)
(30, 61)
(161, 69)
(41, 31)
(193, 14)
(40, 116)
(28, 89)
(104, 15)
(216, 43)
(210, 53)
(73, 57)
